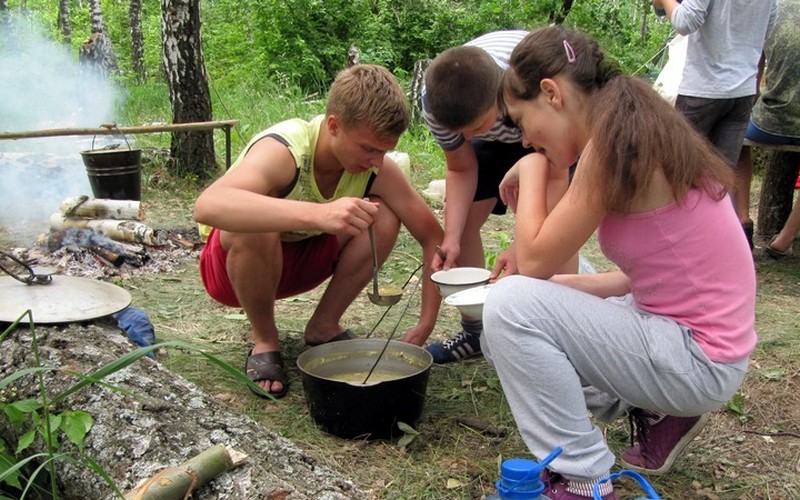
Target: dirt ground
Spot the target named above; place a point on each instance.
(749, 450)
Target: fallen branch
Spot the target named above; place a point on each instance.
(179, 482)
(481, 426)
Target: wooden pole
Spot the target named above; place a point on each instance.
(109, 129)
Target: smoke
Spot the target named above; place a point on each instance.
(42, 86)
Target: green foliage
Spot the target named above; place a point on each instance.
(737, 406)
(409, 434)
(258, 46)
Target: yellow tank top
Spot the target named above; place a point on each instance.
(301, 138)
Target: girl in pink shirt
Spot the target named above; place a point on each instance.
(666, 338)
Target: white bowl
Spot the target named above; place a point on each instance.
(470, 301)
(457, 279)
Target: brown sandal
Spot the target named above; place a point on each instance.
(774, 252)
(266, 366)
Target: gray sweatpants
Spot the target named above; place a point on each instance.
(561, 353)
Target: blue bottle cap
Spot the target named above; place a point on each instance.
(519, 479)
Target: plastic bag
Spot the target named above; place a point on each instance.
(669, 79)
(137, 326)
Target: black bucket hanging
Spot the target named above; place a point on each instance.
(114, 173)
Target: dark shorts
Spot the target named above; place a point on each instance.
(306, 264)
(494, 160)
(722, 121)
(756, 134)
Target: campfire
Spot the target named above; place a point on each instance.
(102, 238)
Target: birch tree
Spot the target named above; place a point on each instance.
(188, 87)
(137, 39)
(64, 25)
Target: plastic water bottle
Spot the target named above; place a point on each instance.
(520, 479)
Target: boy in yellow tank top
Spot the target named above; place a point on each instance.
(294, 208)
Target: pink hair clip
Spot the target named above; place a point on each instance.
(570, 52)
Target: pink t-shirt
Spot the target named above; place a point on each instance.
(690, 261)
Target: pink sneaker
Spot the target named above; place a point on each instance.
(661, 438)
(557, 487)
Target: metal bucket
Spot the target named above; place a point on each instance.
(114, 173)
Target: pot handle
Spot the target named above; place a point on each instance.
(116, 127)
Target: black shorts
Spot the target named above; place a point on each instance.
(494, 160)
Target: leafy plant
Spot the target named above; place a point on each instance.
(736, 405)
(409, 434)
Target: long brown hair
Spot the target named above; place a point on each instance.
(633, 130)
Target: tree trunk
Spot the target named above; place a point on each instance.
(417, 80)
(96, 52)
(777, 192)
(137, 40)
(64, 25)
(188, 87)
(559, 15)
(5, 14)
(147, 419)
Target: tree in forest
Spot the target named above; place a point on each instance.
(188, 87)
(5, 16)
(96, 52)
(64, 25)
(559, 14)
(137, 39)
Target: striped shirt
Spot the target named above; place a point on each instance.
(499, 45)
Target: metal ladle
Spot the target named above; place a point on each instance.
(375, 296)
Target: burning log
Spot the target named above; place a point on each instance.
(124, 230)
(114, 252)
(99, 208)
(108, 256)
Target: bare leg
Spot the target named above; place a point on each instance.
(784, 239)
(254, 267)
(471, 244)
(353, 272)
(744, 177)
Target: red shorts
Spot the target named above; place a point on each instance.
(306, 264)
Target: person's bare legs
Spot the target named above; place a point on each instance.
(744, 178)
(785, 238)
(471, 243)
(254, 267)
(353, 272)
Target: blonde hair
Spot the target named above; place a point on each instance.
(369, 95)
(634, 131)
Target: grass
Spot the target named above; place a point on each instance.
(750, 450)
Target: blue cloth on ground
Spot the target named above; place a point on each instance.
(137, 326)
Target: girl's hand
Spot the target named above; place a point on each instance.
(509, 187)
(505, 265)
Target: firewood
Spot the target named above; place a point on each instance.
(100, 208)
(126, 230)
(99, 244)
(180, 481)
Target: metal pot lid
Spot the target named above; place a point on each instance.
(65, 299)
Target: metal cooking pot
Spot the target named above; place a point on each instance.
(342, 405)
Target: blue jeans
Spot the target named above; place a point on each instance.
(756, 134)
